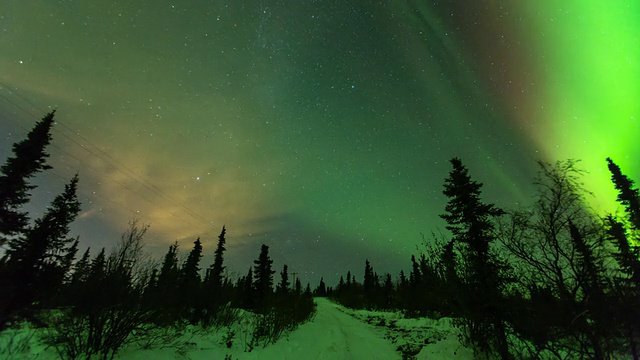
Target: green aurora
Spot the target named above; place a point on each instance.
(322, 128)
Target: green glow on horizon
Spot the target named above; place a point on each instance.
(590, 54)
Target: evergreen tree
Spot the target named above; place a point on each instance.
(41, 259)
(628, 255)
(627, 195)
(191, 267)
(190, 284)
(167, 294)
(298, 287)
(283, 286)
(321, 290)
(369, 279)
(470, 221)
(29, 159)
(216, 269)
(98, 266)
(627, 284)
(415, 278)
(263, 278)
(81, 269)
(340, 287)
(91, 292)
(248, 298)
(387, 296)
(168, 277)
(402, 279)
(592, 283)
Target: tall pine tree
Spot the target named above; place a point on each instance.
(190, 283)
(216, 269)
(190, 270)
(283, 285)
(29, 158)
(263, 278)
(470, 221)
(627, 195)
(35, 265)
(627, 256)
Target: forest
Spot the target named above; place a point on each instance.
(551, 280)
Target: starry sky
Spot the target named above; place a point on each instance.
(321, 128)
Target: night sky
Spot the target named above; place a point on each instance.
(321, 128)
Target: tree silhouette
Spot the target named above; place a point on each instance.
(627, 256)
(321, 290)
(35, 265)
(216, 269)
(247, 291)
(29, 158)
(369, 279)
(627, 195)
(191, 268)
(167, 285)
(552, 261)
(263, 278)
(283, 285)
(470, 221)
(190, 283)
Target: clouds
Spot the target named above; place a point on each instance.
(314, 121)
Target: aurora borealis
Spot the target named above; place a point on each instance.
(321, 128)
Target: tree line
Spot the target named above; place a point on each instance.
(550, 280)
(96, 304)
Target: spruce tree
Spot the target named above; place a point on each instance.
(321, 290)
(91, 293)
(35, 265)
(340, 286)
(81, 269)
(369, 280)
(167, 284)
(168, 277)
(247, 291)
(190, 284)
(97, 270)
(627, 195)
(298, 287)
(29, 158)
(470, 221)
(216, 269)
(627, 256)
(263, 278)
(592, 282)
(191, 268)
(627, 284)
(369, 285)
(283, 285)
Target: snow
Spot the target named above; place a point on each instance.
(422, 338)
(334, 332)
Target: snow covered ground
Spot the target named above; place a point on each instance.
(334, 333)
(420, 338)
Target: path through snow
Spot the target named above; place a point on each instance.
(331, 334)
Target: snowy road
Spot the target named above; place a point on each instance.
(332, 334)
